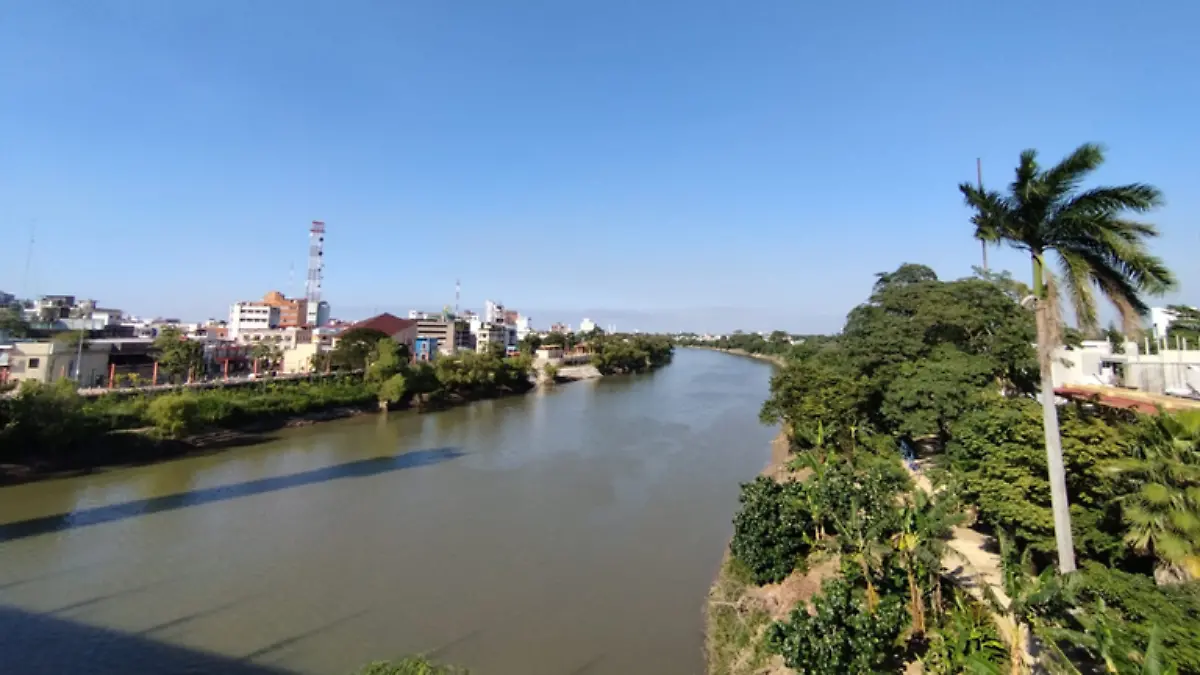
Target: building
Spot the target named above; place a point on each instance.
(292, 311)
(487, 333)
(7, 299)
(251, 316)
(1161, 319)
(52, 360)
(1096, 363)
(511, 317)
(451, 335)
(493, 312)
(587, 325)
(301, 358)
(560, 328)
(318, 314)
(284, 338)
(403, 331)
(524, 326)
(425, 349)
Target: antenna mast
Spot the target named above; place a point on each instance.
(316, 269)
(457, 292)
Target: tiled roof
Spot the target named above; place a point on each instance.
(385, 323)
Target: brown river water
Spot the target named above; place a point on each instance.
(569, 531)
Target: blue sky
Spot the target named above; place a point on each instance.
(669, 164)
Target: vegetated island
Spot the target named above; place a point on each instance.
(51, 429)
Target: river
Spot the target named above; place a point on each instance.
(574, 530)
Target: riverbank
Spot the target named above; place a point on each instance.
(737, 612)
(57, 431)
(777, 360)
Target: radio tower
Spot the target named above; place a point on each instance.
(316, 269)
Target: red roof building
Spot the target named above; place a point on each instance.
(403, 331)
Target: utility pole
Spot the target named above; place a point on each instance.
(979, 178)
(79, 358)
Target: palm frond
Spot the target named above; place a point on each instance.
(1077, 278)
(1110, 201)
(1064, 177)
(1023, 187)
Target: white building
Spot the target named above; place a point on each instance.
(252, 316)
(1161, 319)
(487, 333)
(1170, 371)
(524, 326)
(493, 312)
(587, 325)
(317, 314)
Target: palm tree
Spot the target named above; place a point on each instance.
(1096, 247)
(1163, 516)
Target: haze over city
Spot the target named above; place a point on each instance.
(661, 166)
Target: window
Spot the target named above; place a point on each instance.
(34, 363)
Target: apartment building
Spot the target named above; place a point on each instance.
(251, 316)
(450, 335)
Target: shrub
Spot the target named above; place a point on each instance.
(392, 390)
(769, 529)
(175, 415)
(44, 418)
(843, 636)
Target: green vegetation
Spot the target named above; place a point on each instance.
(1097, 246)
(778, 343)
(950, 367)
(414, 665)
(178, 357)
(52, 424)
(629, 353)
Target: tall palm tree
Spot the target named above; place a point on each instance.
(1096, 246)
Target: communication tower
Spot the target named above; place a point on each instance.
(316, 264)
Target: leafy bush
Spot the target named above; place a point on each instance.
(175, 415)
(629, 354)
(393, 389)
(843, 636)
(1144, 606)
(770, 529)
(45, 419)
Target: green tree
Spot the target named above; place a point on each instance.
(530, 344)
(354, 348)
(386, 360)
(12, 322)
(1097, 246)
(177, 355)
(393, 389)
(555, 339)
(266, 353)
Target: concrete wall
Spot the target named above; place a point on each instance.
(50, 361)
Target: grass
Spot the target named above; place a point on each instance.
(734, 642)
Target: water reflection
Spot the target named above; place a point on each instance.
(131, 509)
